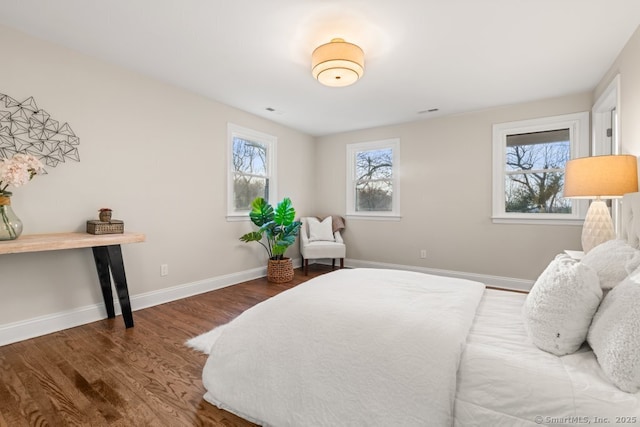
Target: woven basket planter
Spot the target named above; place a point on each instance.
(280, 270)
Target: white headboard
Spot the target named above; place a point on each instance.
(631, 219)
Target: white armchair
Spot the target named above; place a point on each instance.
(320, 242)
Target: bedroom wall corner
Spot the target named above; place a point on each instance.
(156, 155)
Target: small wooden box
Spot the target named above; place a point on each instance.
(114, 226)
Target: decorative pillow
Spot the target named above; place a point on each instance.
(613, 261)
(320, 230)
(559, 308)
(614, 335)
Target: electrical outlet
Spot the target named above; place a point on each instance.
(164, 269)
(423, 253)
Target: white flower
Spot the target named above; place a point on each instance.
(18, 170)
(30, 162)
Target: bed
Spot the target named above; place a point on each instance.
(368, 347)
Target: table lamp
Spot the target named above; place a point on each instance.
(600, 177)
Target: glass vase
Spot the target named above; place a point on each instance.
(10, 224)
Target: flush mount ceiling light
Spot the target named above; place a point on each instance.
(337, 63)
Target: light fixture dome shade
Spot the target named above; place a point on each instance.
(337, 63)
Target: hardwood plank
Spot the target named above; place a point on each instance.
(14, 410)
(67, 397)
(102, 375)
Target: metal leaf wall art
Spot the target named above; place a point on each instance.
(25, 128)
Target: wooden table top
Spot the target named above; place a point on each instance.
(59, 241)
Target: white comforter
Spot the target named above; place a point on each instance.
(506, 381)
(362, 347)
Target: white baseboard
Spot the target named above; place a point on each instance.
(494, 281)
(174, 293)
(42, 325)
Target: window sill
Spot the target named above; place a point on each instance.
(238, 218)
(538, 221)
(374, 217)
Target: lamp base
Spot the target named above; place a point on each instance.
(598, 227)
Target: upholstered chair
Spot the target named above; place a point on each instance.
(319, 241)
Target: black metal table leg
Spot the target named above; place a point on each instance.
(109, 259)
(120, 281)
(101, 257)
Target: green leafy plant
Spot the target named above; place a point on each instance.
(277, 226)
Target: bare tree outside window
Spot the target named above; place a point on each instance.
(374, 180)
(534, 178)
(529, 161)
(250, 175)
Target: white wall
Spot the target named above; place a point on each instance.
(153, 153)
(446, 190)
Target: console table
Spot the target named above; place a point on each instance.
(107, 254)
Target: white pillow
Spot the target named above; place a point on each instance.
(321, 230)
(613, 261)
(559, 308)
(614, 335)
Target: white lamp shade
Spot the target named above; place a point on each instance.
(604, 177)
(337, 63)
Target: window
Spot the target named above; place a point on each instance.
(529, 158)
(373, 187)
(251, 170)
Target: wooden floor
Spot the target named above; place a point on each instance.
(103, 374)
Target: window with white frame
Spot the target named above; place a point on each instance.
(529, 159)
(373, 185)
(251, 165)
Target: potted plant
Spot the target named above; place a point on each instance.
(279, 230)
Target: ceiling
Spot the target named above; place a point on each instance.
(454, 55)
